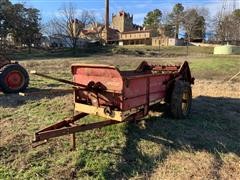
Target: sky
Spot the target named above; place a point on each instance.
(139, 8)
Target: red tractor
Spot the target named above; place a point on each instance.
(13, 77)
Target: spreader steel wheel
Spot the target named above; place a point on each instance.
(181, 100)
(13, 78)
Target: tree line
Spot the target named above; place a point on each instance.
(227, 27)
(23, 23)
(191, 21)
(194, 24)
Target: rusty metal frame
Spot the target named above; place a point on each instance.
(68, 127)
(58, 79)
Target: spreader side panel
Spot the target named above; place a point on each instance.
(107, 76)
(140, 91)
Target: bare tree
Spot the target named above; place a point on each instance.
(194, 24)
(227, 27)
(236, 24)
(97, 27)
(69, 24)
(221, 28)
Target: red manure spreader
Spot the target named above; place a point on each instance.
(121, 96)
(13, 77)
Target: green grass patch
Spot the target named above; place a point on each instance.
(215, 67)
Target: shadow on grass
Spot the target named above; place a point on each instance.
(32, 94)
(41, 54)
(213, 127)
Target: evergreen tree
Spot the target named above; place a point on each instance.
(152, 21)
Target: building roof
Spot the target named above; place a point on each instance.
(88, 32)
(136, 31)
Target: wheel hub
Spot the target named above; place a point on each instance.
(185, 102)
(14, 79)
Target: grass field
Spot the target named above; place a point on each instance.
(204, 146)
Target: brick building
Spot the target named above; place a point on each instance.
(128, 32)
(122, 21)
(124, 32)
(135, 37)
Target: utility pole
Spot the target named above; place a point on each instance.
(107, 19)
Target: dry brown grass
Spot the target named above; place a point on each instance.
(204, 164)
(198, 165)
(215, 88)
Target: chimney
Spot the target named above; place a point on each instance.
(106, 17)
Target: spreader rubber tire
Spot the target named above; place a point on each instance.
(181, 100)
(13, 78)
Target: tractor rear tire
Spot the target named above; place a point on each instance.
(181, 100)
(13, 78)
